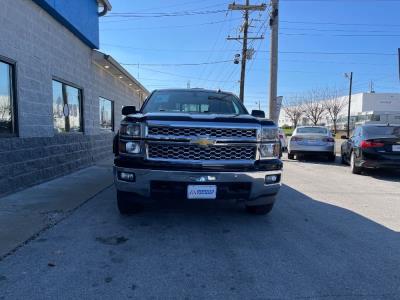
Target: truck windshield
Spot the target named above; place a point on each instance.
(198, 102)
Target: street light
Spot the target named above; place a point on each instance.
(350, 77)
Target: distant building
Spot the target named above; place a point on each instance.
(365, 107)
(60, 98)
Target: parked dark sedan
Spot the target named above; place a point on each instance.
(372, 147)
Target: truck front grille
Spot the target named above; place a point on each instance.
(192, 152)
(200, 131)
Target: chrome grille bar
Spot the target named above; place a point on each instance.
(202, 131)
(188, 152)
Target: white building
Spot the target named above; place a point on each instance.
(365, 107)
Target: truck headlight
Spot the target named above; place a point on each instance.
(269, 134)
(268, 150)
(132, 147)
(269, 147)
(130, 130)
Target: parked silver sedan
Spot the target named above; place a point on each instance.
(313, 140)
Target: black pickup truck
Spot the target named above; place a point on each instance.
(196, 144)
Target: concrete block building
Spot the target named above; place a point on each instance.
(60, 98)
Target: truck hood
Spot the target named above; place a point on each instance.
(213, 118)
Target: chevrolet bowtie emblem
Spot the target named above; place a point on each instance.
(203, 142)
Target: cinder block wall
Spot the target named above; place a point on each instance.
(43, 49)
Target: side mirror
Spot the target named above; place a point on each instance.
(128, 110)
(344, 137)
(258, 113)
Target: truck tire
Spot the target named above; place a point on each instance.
(260, 209)
(332, 157)
(290, 155)
(126, 203)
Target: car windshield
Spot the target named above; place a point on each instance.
(202, 102)
(381, 131)
(312, 130)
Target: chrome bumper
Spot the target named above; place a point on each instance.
(260, 193)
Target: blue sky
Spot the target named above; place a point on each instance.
(314, 42)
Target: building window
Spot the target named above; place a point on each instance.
(106, 114)
(67, 108)
(7, 101)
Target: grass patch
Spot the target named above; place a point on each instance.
(288, 131)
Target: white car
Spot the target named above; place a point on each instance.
(312, 140)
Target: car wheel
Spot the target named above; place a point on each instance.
(290, 155)
(260, 209)
(353, 167)
(126, 203)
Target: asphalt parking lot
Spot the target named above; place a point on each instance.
(331, 235)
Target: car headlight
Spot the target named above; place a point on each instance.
(130, 130)
(130, 147)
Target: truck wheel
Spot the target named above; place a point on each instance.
(126, 203)
(259, 209)
(353, 167)
(290, 155)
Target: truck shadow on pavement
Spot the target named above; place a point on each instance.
(305, 249)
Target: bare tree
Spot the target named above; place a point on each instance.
(5, 109)
(313, 106)
(334, 106)
(293, 110)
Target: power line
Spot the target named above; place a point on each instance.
(335, 30)
(162, 15)
(177, 64)
(180, 5)
(246, 8)
(163, 49)
(340, 35)
(341, 24)
(167, 27)
(210, 54)
(336, 53)
(181, 76)
(267, 51)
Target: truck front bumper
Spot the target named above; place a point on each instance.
(260, 190)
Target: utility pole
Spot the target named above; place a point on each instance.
(245, 28)
(273, 83)
(244, 52)
(348, 111)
